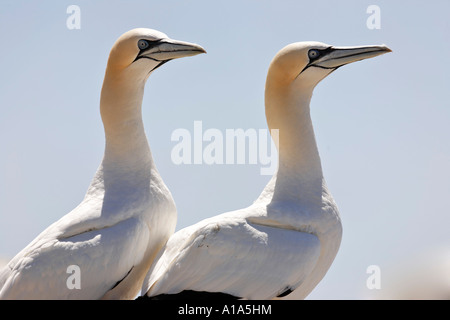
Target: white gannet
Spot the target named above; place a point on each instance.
(108, 242)
(282, 245)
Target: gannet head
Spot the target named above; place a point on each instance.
(307, 63)
(143, 50)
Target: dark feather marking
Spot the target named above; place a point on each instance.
(285, 293)
(191, 295)
(118, 282)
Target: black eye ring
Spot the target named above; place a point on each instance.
(313, 54)
(143, 44)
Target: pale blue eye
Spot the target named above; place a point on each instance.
(143, 44)
(313, 54)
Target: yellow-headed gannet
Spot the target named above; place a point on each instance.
(104, 247)
(282, 245)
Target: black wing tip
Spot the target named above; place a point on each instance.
(120, 281)
(285, 293)
(191, 295)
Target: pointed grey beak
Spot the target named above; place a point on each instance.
(168, 49)
(339, 56)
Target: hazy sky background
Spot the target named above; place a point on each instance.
(382, 125)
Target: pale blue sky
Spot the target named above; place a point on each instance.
(382, 125)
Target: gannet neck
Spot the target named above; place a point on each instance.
(287, 109)
(121, 111)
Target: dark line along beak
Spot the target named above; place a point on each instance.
(168, 49)
(339, 56)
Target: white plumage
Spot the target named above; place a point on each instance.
(283, 244)
(127, 214)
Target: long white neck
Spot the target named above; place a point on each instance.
(121, 111)
(127, 164)
(299, 176)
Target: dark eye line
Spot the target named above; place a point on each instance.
(152, 44)
(322, 52)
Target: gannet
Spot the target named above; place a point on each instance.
(282, 245)
(111, 238)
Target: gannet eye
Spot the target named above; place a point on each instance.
(143, 44)
(313, 54)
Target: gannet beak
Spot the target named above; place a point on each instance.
(168, 49)
(339, 56)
